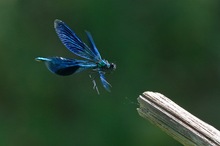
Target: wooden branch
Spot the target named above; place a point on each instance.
(177, 122)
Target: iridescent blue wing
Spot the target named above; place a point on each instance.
(73, 43)
(63, 66)
(105, 84)
(93, 46)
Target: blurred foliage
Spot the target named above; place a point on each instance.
(171, 47)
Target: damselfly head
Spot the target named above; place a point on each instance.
(112, 66)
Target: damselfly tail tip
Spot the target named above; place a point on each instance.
(40, 59)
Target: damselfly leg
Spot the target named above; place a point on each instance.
(95, 87)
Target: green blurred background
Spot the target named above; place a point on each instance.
(172, 47)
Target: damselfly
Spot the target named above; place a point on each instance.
(93, 60)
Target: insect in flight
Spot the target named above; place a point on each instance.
(93, 60)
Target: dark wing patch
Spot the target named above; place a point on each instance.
(64, 66)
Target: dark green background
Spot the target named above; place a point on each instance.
(172, 47)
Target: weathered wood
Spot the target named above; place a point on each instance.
(177, 122)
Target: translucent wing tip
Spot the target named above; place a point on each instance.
(88, 33)
(105, 84)
(57, 22)
(40, 59)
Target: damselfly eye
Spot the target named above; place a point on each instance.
(113, 66)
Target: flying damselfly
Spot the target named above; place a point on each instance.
(66, 66)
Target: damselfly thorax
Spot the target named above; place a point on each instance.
(105, 66)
